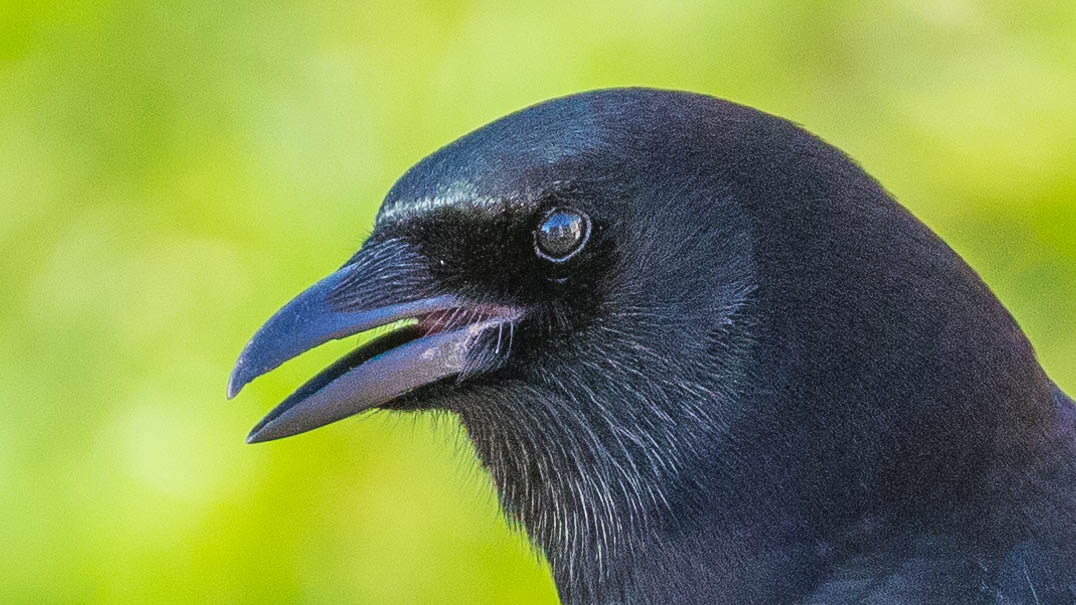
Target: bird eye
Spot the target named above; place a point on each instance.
(561, 234)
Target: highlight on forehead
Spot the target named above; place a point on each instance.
(462, 196)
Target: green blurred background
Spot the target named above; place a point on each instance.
(170, 173)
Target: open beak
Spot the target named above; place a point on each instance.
(384, 283)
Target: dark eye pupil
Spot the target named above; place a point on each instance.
(561, 234)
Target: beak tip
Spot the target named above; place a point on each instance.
(258, 434)
(238, 379)
(268, 429)
(233, 387)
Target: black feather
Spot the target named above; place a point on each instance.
(762, 381)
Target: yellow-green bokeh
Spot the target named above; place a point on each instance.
(170, 173)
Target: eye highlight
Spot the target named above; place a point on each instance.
(562, 233)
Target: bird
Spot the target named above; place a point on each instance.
(704, 357)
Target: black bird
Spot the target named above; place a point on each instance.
(706, 359)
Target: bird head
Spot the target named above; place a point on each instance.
(655, 313)
(558, 247)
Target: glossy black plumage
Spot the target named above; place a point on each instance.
(761, 380)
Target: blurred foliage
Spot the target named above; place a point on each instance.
(170, 173)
